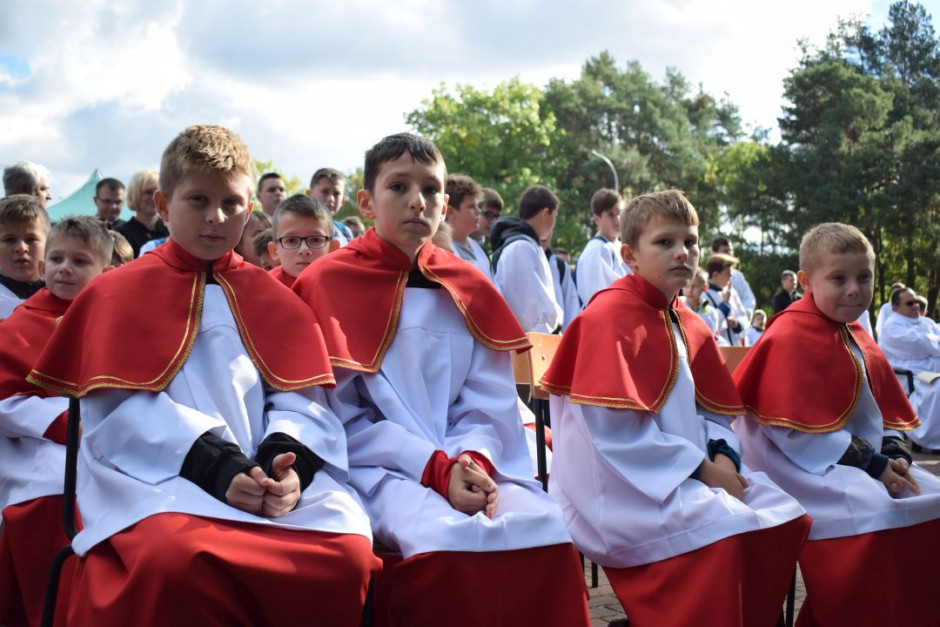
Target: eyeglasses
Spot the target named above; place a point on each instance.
(489, 215)
(291, 242)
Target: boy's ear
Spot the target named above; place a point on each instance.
(804, 280)
(628, 255)
(272, 250)
(364, 201)
(159, 199)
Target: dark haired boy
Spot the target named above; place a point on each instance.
(425, 391)
(520, 265)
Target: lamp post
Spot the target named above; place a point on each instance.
(611, 166)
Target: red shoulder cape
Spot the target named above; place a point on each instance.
(803, 374)
(356, 292)
(279, 274)
(134, 328)
(22, 338)
(621, 353)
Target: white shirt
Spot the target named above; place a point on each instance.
(525, 279)
(440, 389)
(134, 443)
(599, 265)
(622, 478)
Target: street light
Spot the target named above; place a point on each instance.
(612, 168)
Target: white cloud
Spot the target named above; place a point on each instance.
(310, 84)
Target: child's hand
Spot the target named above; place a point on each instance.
(471, 490)
(722, 473)
(246, 490)
(283, 490)
(897, 478)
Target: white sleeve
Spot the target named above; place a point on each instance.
(907, 341)
(485, 416)
(813, 452)
(632, 445)
(521, 276)
(305, 416)
(29, 416)
(372, 441)
(146, 435)
(595, 272)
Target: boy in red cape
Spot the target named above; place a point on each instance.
(211, 474)
(646, 467)
(426, 393)
(32, 423)
(824, 411)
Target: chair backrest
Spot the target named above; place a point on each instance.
(733, 355)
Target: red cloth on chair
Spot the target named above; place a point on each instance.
(740, 581)
(896, 590)
(540, 586)
(32, 534)
(180, 570)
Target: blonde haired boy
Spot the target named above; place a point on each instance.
(212, 475)
(824, 415)
(646, 467)
(32, 423)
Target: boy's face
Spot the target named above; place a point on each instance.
(70, 265)
(608, 223)
(464, 219)
(292, 229)
(109, 203)
(407, 202)
(21, 250)
(271, 194)
(841, 284)
(207, 212)
(330, 193)
(666, 254)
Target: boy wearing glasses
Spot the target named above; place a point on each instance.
(303, 229)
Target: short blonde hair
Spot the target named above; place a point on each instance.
(832, 238)
(139, 182)
(671, 205)
(208, 149)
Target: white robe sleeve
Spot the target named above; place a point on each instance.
(633, 447)
(305, 416)
(373, 442)
(524, 278)
(29, 416)
(813, 452)
(143, 434)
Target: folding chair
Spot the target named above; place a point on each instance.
(68, 513)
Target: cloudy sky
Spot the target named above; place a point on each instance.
(308, 83)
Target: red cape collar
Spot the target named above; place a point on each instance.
(357, 291)
(803, 374)
(621, 353)
(133, 328)
(22, 338)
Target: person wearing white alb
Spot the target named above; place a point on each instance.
(600, 263)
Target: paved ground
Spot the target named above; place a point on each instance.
(605, 607)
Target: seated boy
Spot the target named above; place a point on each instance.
(734, 318)
(23, 227)
(426, 393)
(463, 215)
(646, 466)
(520, 266)
(32, 423)
(824, 410)
(600, 264)
(329, 187)
(211, 474)
(301, 234)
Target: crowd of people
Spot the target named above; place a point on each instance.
(280, 406)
